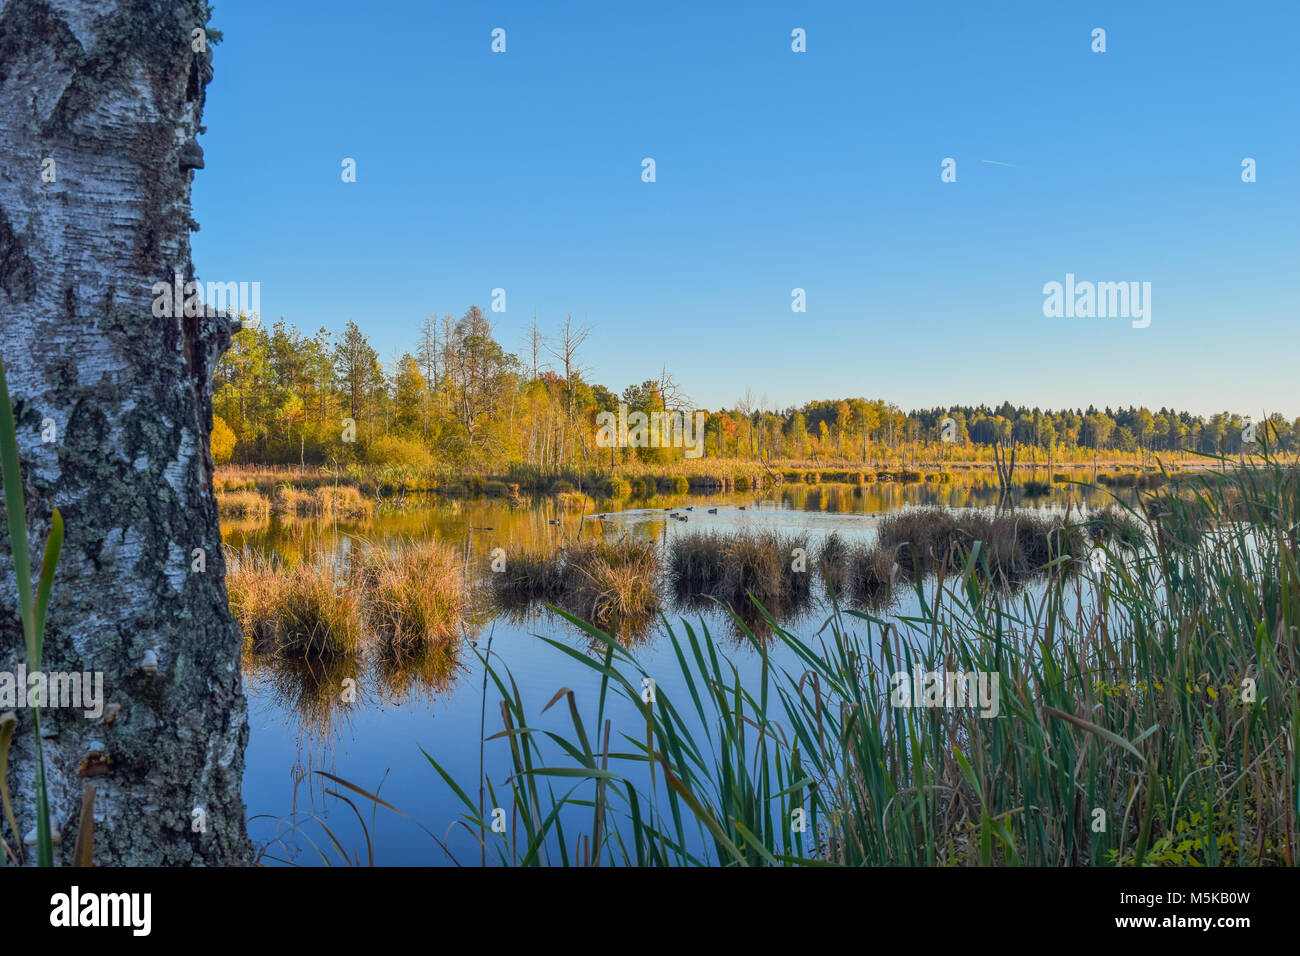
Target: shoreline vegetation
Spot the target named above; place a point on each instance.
(256, 491)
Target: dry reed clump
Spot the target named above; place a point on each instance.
(415, 592)
(301, 612)
(871, 574)
(833, 562)
(1117, 525)
(611, 584)
(922, 540)
(918, 539)
(771, 566)
(531, 575)
(695, 563)
(291, 500)
(607, 583)
(254, 588)
(1126, 479)
(243, 504)
(342, 501)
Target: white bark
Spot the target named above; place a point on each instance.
(112, 91)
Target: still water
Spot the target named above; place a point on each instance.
(300, 724)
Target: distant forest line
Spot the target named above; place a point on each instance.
(458, 399)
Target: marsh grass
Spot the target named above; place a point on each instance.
(305, 611)
(1159, 687)
(243, 504)
(739, 568)
(612, 584)
(574, 501)
(414, 592)
(32, 608)
(609, 582)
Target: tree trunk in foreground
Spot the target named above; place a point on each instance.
(112, 92)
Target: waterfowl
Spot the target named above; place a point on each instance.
(713, 511)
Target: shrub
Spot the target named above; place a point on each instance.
(615, 487)
(401, 452)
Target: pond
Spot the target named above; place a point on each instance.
(373, 733)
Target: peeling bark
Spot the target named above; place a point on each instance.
(112, 91)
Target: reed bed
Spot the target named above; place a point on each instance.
(415, 592)
(1147, 712)
(413, 595)
(300, 612)
(741, 568)
(243, 504)
(322, 501)
(574, 501)
(611, 583)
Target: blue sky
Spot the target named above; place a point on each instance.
(776, 170)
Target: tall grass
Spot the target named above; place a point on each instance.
(739, 568)
(32, 608)
(415, 592)
(306, 611)
(1148, 715)
(614, 583)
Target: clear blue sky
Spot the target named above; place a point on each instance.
(778, 170)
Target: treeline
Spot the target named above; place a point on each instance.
(457, 399)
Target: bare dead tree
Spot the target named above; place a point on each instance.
(565, 351)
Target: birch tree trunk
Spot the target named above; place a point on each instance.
(100, 103)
